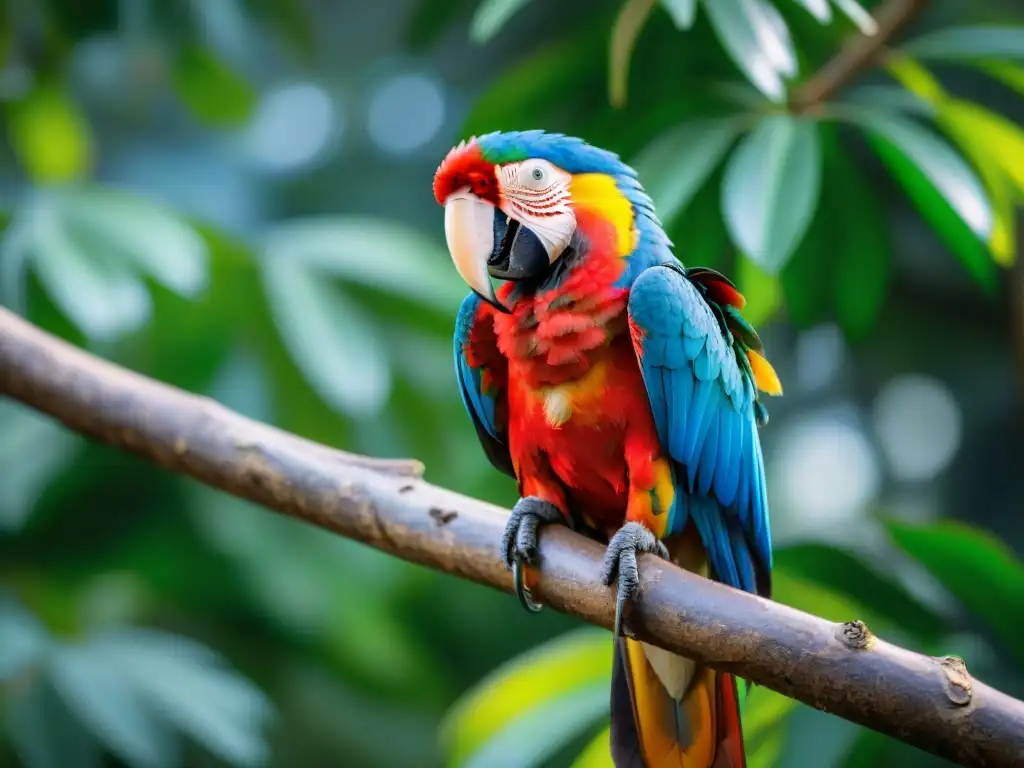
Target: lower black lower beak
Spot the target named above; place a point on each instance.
(518, 253)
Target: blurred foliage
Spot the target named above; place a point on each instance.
(526, 697)
(117, 582)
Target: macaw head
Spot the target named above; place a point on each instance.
(515, 204)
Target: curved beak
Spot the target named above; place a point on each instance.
(469, 231)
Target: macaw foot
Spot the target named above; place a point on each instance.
(519, 541)
(629, 541)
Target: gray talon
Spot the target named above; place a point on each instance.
(519, 541)
(629, 541)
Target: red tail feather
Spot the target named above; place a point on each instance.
(722, 293)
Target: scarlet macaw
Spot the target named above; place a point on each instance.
(620, 390)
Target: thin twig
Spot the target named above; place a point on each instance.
(857, 55)
(841, 668)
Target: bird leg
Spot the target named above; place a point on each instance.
(629, 541)
(519, 541)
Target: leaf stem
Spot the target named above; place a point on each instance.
(856, 56)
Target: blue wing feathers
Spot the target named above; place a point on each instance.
(702, 392)
(703, 407)
(480, 405)
(706, 475)
(714, 531)
(692, 346)
(727, 468)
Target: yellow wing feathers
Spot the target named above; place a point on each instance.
(764, 375)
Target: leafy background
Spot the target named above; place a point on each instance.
(234, 197)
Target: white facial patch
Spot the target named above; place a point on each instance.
(536, 194)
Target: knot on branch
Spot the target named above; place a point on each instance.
(956, 680)
(855, 635)
(442, 516)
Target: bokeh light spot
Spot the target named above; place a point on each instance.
(293, 127)
(405, 113)
(824, 470)
(819, 356)
(919, 426)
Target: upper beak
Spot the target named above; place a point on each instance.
(469, 231)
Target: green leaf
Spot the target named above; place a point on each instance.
(597, 754)
(819, 9)
(861, 249)
(755, 42)
(937, 212)
(844, 573)
(761, 290)
(50, 136)
(763, 711)
(90, 682)
(941, 186)
(856, 13)
(141, 232)
(43, 732)
(890, 98)
(189, 686)
(543, 730)
(675, 166)
(379, 253)
(1006, 72)
(997, 135)
(995, 147)
(988, 140)
(626, 31)
(940, 165)
(33, 450)
(22, 637)
(98, 293)
(976, 567)
(577, 661)
(491, 16)
(331, 340)
(918, 80)
(211, 90)
(768, 752)
(683, 12)
(770, 189)
(87, 245)
(996, 41)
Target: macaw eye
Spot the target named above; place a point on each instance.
(534, 175)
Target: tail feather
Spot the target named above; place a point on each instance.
(650, 728)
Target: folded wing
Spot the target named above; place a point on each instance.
(703, 394)
(482, 373)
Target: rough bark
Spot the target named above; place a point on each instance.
(841, 668)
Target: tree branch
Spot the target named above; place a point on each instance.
(931, 703)
(856, 56)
